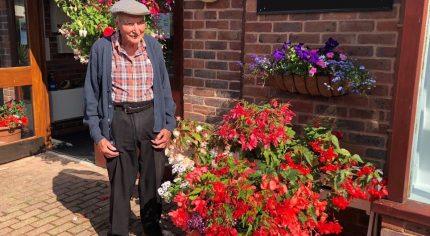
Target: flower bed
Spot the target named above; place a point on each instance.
(251, 175)
(299, 61)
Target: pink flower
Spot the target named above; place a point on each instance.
(343, 57)
(312, 71)
(330, 55)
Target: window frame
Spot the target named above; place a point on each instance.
(409, 65)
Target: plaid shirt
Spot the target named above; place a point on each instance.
(132, 76)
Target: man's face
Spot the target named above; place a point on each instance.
(131, 28)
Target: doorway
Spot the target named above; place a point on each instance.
(23, 96)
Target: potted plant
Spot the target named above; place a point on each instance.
(324, 71)
(91, 20)
(251, 175)
(12, 119)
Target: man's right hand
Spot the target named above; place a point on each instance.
(108, 150)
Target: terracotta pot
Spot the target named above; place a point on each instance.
(9, 135)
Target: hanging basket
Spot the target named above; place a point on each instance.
(307, 85)
(8, 135)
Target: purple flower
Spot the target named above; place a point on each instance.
(278, 55)
(330, 44)
(330, 55)
(196, 222)
(343, 57)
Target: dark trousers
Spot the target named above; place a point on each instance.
(132, 135)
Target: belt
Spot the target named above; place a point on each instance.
(133, 107)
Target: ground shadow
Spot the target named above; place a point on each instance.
(86, 194)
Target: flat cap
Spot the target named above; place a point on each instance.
(130, 7)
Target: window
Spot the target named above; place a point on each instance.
(420, 164)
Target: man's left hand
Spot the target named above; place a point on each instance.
(162, 139)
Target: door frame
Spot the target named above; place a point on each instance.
(30, 75)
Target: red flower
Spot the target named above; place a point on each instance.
(200, 207)
(340, 202)
(220, 192)
(108, 31)
(180, 218)
(329, 228)
(181, 199)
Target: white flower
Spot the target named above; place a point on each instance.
(177, 180)
(199, 128)
(176, 133)
(83, 33)
(166, 185)
(160, 191)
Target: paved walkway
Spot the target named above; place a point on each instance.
(50, 195)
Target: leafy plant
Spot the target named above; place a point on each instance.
(252, 176)
(12, 114)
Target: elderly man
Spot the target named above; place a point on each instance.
(130, 113)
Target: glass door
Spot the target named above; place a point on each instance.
(24, 120)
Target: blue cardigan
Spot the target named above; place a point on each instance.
(98, 105)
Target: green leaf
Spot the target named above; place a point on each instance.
(195, 191)
(335, 141)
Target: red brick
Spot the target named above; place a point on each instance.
(228, 56)
(205, 15)
(302, 106)
(271, 18)
(236, 4)
(378, 39)
(250, 38)
(217, 45)
(258, 27)
(229, 35)
(235, 25)
(305, 16)
(323, 26)
(207, 74)
(188, 34)
(256, 91)
(251, 6)
(233, 14)
(272, 38)
(360, 51)
(383, 26)
(356, 26)
(193, 24)
(204, 54)
(384, 77)
(363, 114)
(194, 63)
(203, 92)
(353, 100)
(191, 44)
(220, 4)
(367, 140)
(216, 84)
(217, 102)
(288, 27)
(380, 90)
(205, 34)
(236, 46)
(194, 82)
(217, 65)
(251, 16)
(217, 24)
(188, 15)
(381, 103)
(193, 99)
(205, 110)
(234, 66)
(386, 52)
(194, 116)
(305, 38)
(339, 16)
(235, 85)
(377, 64)
(257, 48)
(228, 75)
(193, 5)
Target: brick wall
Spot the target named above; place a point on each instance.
(371, 37)
(212, 49)
(395, 227)
(213, 44)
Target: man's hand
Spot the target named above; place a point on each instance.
(108, 150)
(162, 139)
